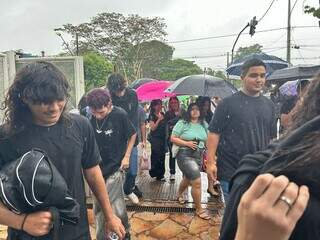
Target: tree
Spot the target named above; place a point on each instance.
(177, 68)
(96, 70)
(312, 10)
(152, 55)
(243, 51)
(219, 74)
(118, 37)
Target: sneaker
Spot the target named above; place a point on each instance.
(137, 192)
(172, 177)
(133, 198)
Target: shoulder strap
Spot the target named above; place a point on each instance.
(56, 223)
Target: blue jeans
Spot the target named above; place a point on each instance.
(131, 174)
(225, 190)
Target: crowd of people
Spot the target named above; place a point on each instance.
(270, 186)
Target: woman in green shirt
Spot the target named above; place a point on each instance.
(190, 134)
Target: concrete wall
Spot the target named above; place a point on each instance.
(72, 68)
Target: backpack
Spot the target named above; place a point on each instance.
(32, 183)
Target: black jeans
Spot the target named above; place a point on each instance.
(158, 155)
(172, 160)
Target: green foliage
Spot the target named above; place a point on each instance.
(119, 38)
(236, 82)
(244, 51)
(312, 10)
(219, 74)
(153, 54)
(177, 68)
(96, 69)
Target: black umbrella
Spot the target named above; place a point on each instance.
(137, 83)
(202, 85)
(294, 73)
(272, 62)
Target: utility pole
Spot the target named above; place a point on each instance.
(228, 63)
(77, 43)
(289, 33)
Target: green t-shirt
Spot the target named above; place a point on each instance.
(191, 131)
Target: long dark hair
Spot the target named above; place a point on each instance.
(201, 101)
(187, 114)
(169, 105)
(38, 82)
(153, 104)
(298, 154)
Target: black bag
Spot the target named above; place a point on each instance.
(32, 183)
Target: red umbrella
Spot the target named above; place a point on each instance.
(154, 90)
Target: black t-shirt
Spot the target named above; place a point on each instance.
(208, 117)
(171, 119)
(112, 135)
(71, 148)
(245, 125)
(161, 130)
(128, 102)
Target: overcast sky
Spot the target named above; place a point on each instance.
(29, 24)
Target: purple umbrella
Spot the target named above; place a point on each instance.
(290, 88)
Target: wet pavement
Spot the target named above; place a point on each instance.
(167, 219)
(160, 196)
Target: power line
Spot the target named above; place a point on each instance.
(266, 11)
(298, 48)
(293, 6)
(235, 34)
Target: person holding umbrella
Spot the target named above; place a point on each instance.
(243, 123)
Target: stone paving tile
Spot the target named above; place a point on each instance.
(144, 236)
(198, 225)
(138, 225)
(182, 219)
(214, 232)
(3, 232)
(166, 230)
(182, 236)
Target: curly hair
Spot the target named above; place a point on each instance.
(39, 83)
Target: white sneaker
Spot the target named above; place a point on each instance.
(172, 177)
(133, 198)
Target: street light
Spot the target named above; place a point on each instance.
(252, 26)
